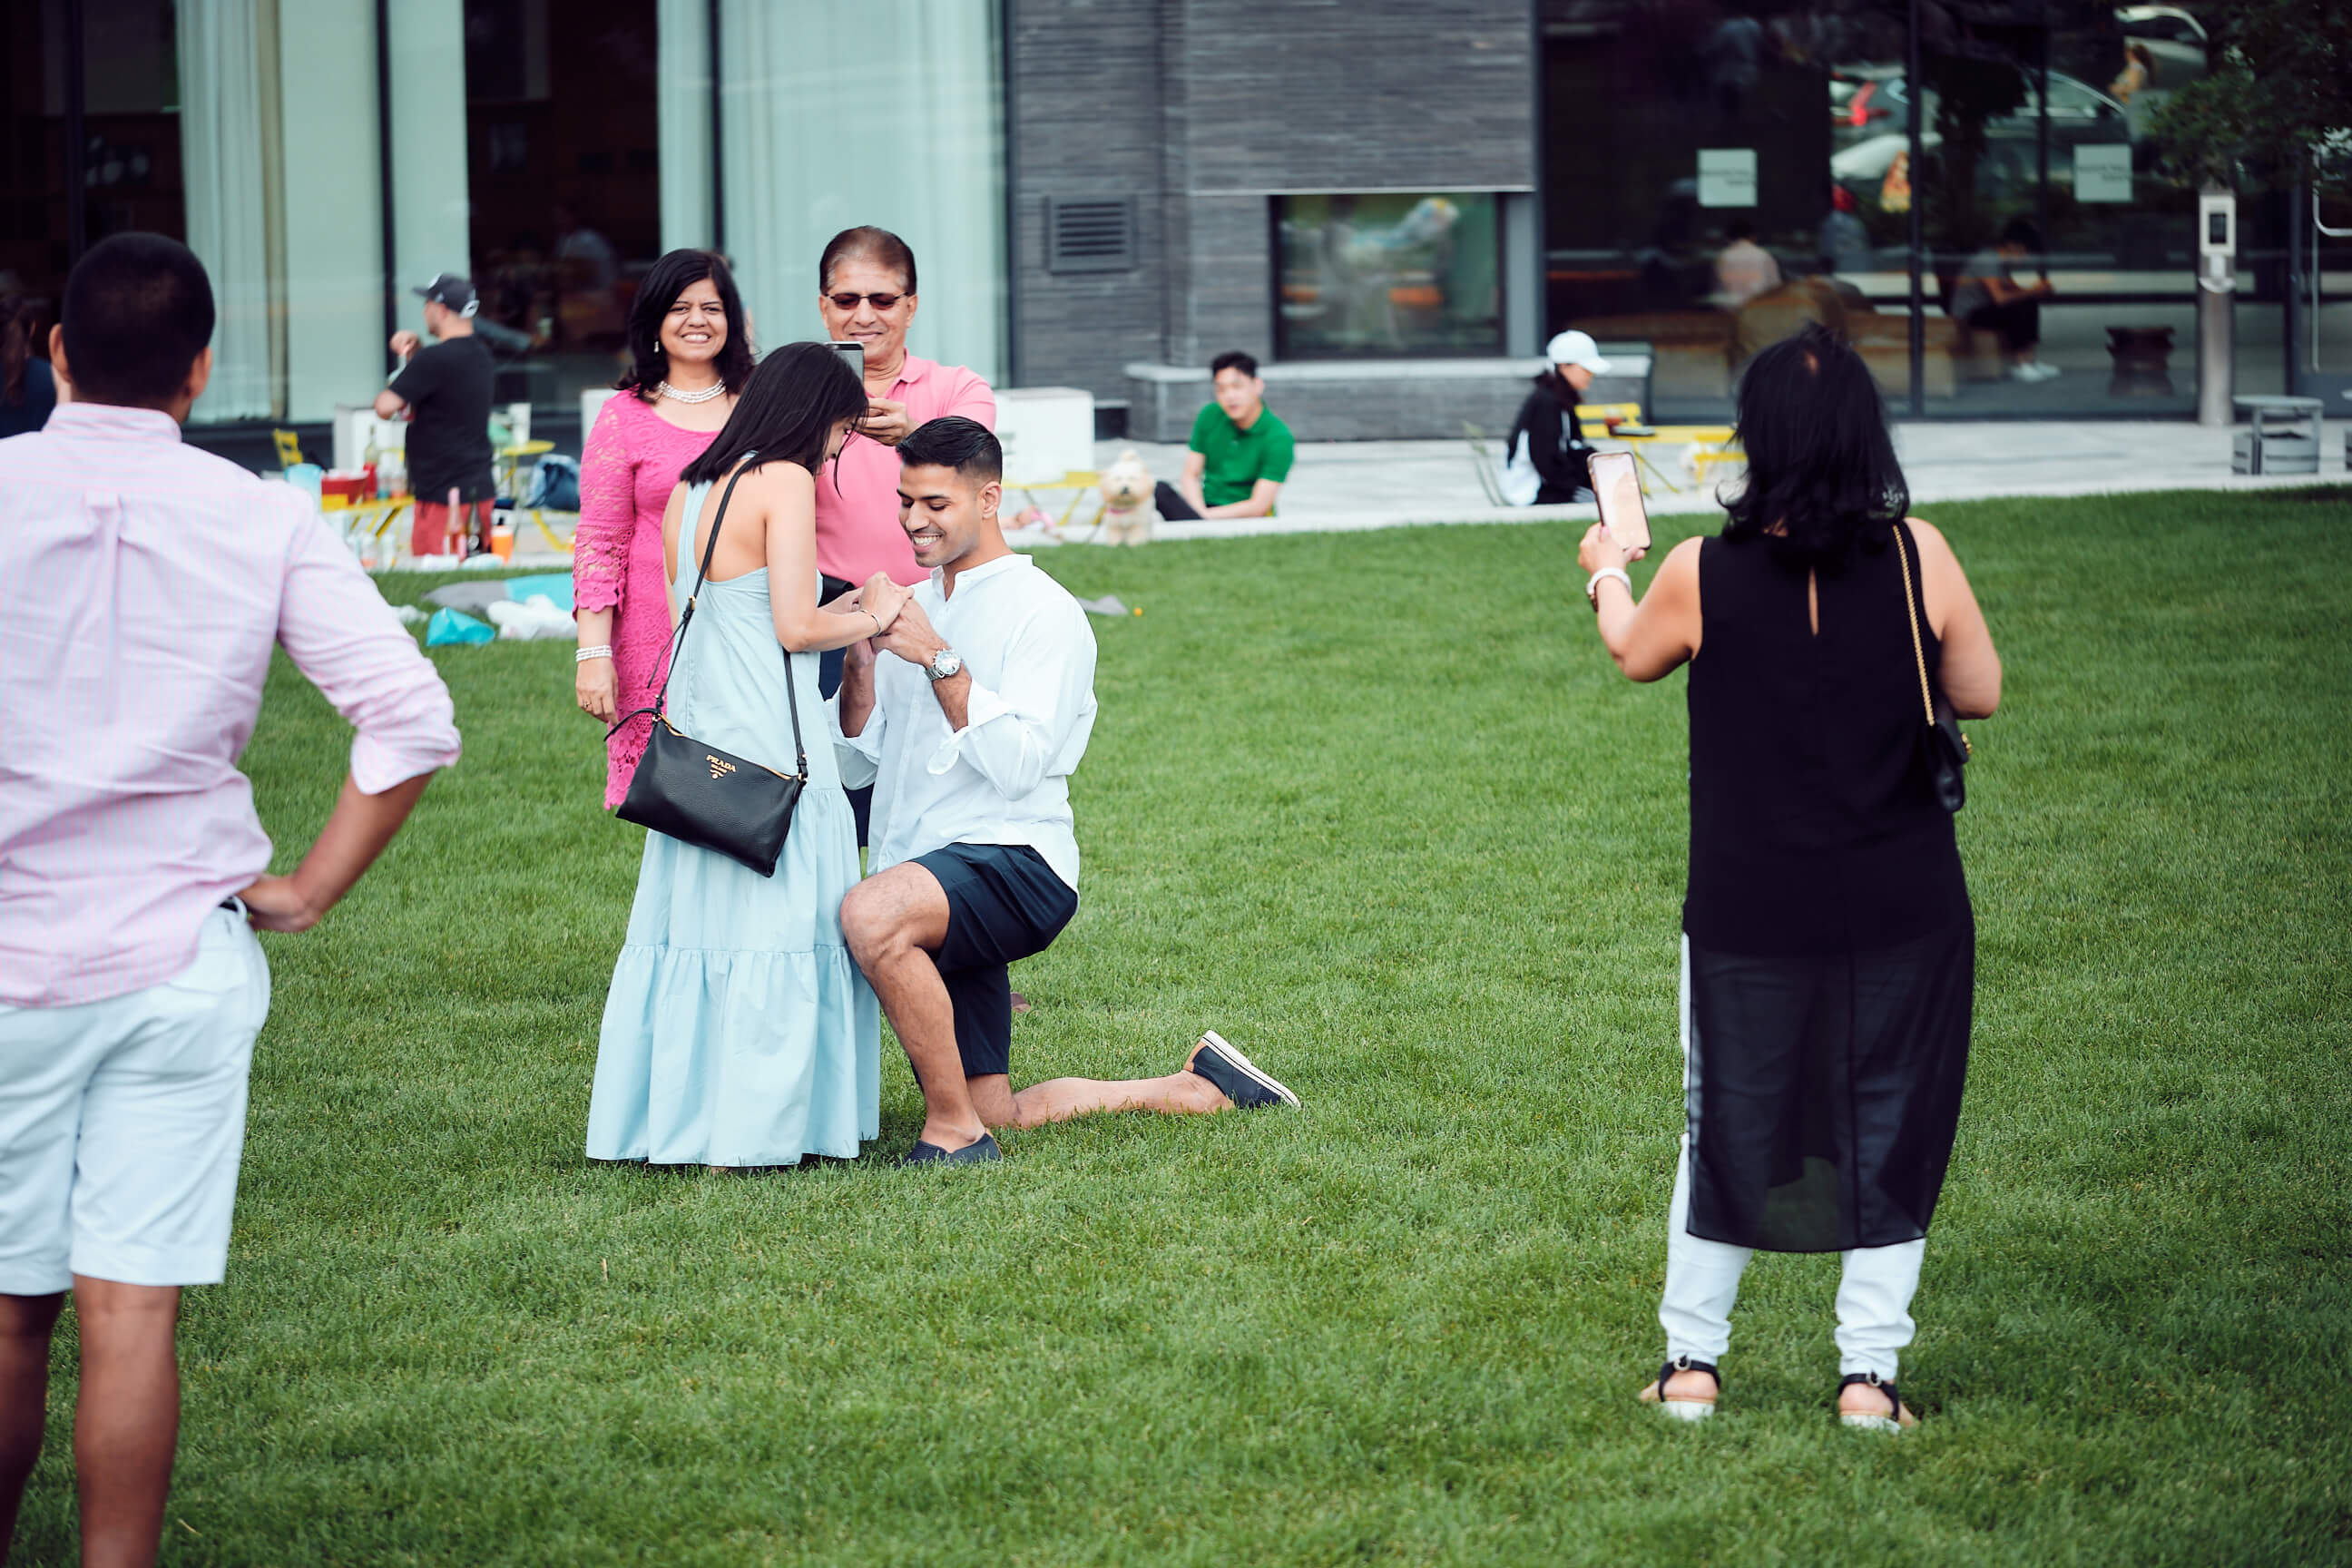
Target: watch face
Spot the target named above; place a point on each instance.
(944, 664)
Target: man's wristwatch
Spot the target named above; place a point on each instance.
(944, 663)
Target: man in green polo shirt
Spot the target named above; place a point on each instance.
(1241, 452)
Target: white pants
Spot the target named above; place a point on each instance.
(1874, 1288)
(122, 1123)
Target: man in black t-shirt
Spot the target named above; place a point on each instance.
(445, 391)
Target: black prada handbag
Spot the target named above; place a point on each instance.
(699, 793)
(1943, 749)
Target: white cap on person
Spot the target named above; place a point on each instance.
(1577, 348)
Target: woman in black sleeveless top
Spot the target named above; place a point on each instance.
(1828, 948)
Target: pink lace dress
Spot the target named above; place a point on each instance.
(627, 468)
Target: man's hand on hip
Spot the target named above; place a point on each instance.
(276, 903)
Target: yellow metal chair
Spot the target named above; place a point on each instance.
(1485, 460)
(1079, 482)
(289, 448)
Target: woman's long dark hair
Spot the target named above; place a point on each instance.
(672, 276)
(787, 411)
(1822, 473)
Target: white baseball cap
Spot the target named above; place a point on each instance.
(1577, 348)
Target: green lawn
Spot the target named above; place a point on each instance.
(1377, 807)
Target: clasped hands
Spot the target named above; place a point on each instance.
(905, 629)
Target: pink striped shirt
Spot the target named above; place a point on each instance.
(146, 581)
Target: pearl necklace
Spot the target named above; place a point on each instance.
(715, 389)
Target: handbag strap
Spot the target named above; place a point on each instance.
(686, 616)
(702, 574)
(660, 708)
(1911, 613)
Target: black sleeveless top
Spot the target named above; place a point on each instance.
(1813, 828)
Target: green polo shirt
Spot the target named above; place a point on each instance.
(1238, 458)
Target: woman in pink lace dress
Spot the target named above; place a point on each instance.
(692, 356)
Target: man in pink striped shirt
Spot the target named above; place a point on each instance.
(147, 584)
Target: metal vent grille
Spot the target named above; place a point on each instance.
(1093, 236)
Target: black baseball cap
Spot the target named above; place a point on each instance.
(450, 290)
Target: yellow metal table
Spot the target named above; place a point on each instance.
(1709, 444)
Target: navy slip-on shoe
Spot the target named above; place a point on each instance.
(1236, 1077)
(979, 1153)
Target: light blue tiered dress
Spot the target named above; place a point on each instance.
(738, 1030)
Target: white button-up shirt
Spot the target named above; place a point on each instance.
(1004, 777)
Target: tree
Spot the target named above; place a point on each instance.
(2275, 108)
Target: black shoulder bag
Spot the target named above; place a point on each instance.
(700, 794)
(1942, 748)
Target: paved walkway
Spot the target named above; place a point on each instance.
(1344, 485)
(1390, 484)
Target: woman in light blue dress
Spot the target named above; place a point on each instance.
(739, 1031)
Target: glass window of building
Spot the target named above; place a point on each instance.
(1718, 173)
(564, 172)
(127, 102)
(1388, 275)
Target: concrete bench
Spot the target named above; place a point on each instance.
(1376, 400)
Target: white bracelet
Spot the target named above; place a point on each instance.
(1592, 585)
(602, 650)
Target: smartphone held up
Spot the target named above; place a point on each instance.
(1617, 489)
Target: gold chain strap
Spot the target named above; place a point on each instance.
(1911, 613)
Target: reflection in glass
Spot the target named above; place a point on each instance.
(2035, 120)
(1388, 274)
(562, 136)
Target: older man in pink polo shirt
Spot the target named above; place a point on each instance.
(866, 295)
(148, 582)
(866, 292)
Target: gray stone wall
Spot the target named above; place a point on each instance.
(1340, 95)
(1203, 109)
(1085, 119)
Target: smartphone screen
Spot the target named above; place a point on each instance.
(856, 354)
(1618, 488)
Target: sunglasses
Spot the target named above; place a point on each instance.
(849, 301)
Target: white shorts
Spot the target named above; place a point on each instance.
(122, 1123)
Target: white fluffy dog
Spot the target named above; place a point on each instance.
(1127, 513)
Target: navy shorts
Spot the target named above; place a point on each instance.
(1003, 903)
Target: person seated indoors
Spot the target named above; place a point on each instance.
(1241, 452)
(1988, 297)
(1745, 268)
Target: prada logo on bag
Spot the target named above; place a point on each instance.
(720, 767)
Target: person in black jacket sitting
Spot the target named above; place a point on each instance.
(1555, 442)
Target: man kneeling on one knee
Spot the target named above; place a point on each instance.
(968, 717)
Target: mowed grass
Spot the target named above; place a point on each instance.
(1377, 807)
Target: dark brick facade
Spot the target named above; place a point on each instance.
(1202, 110)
